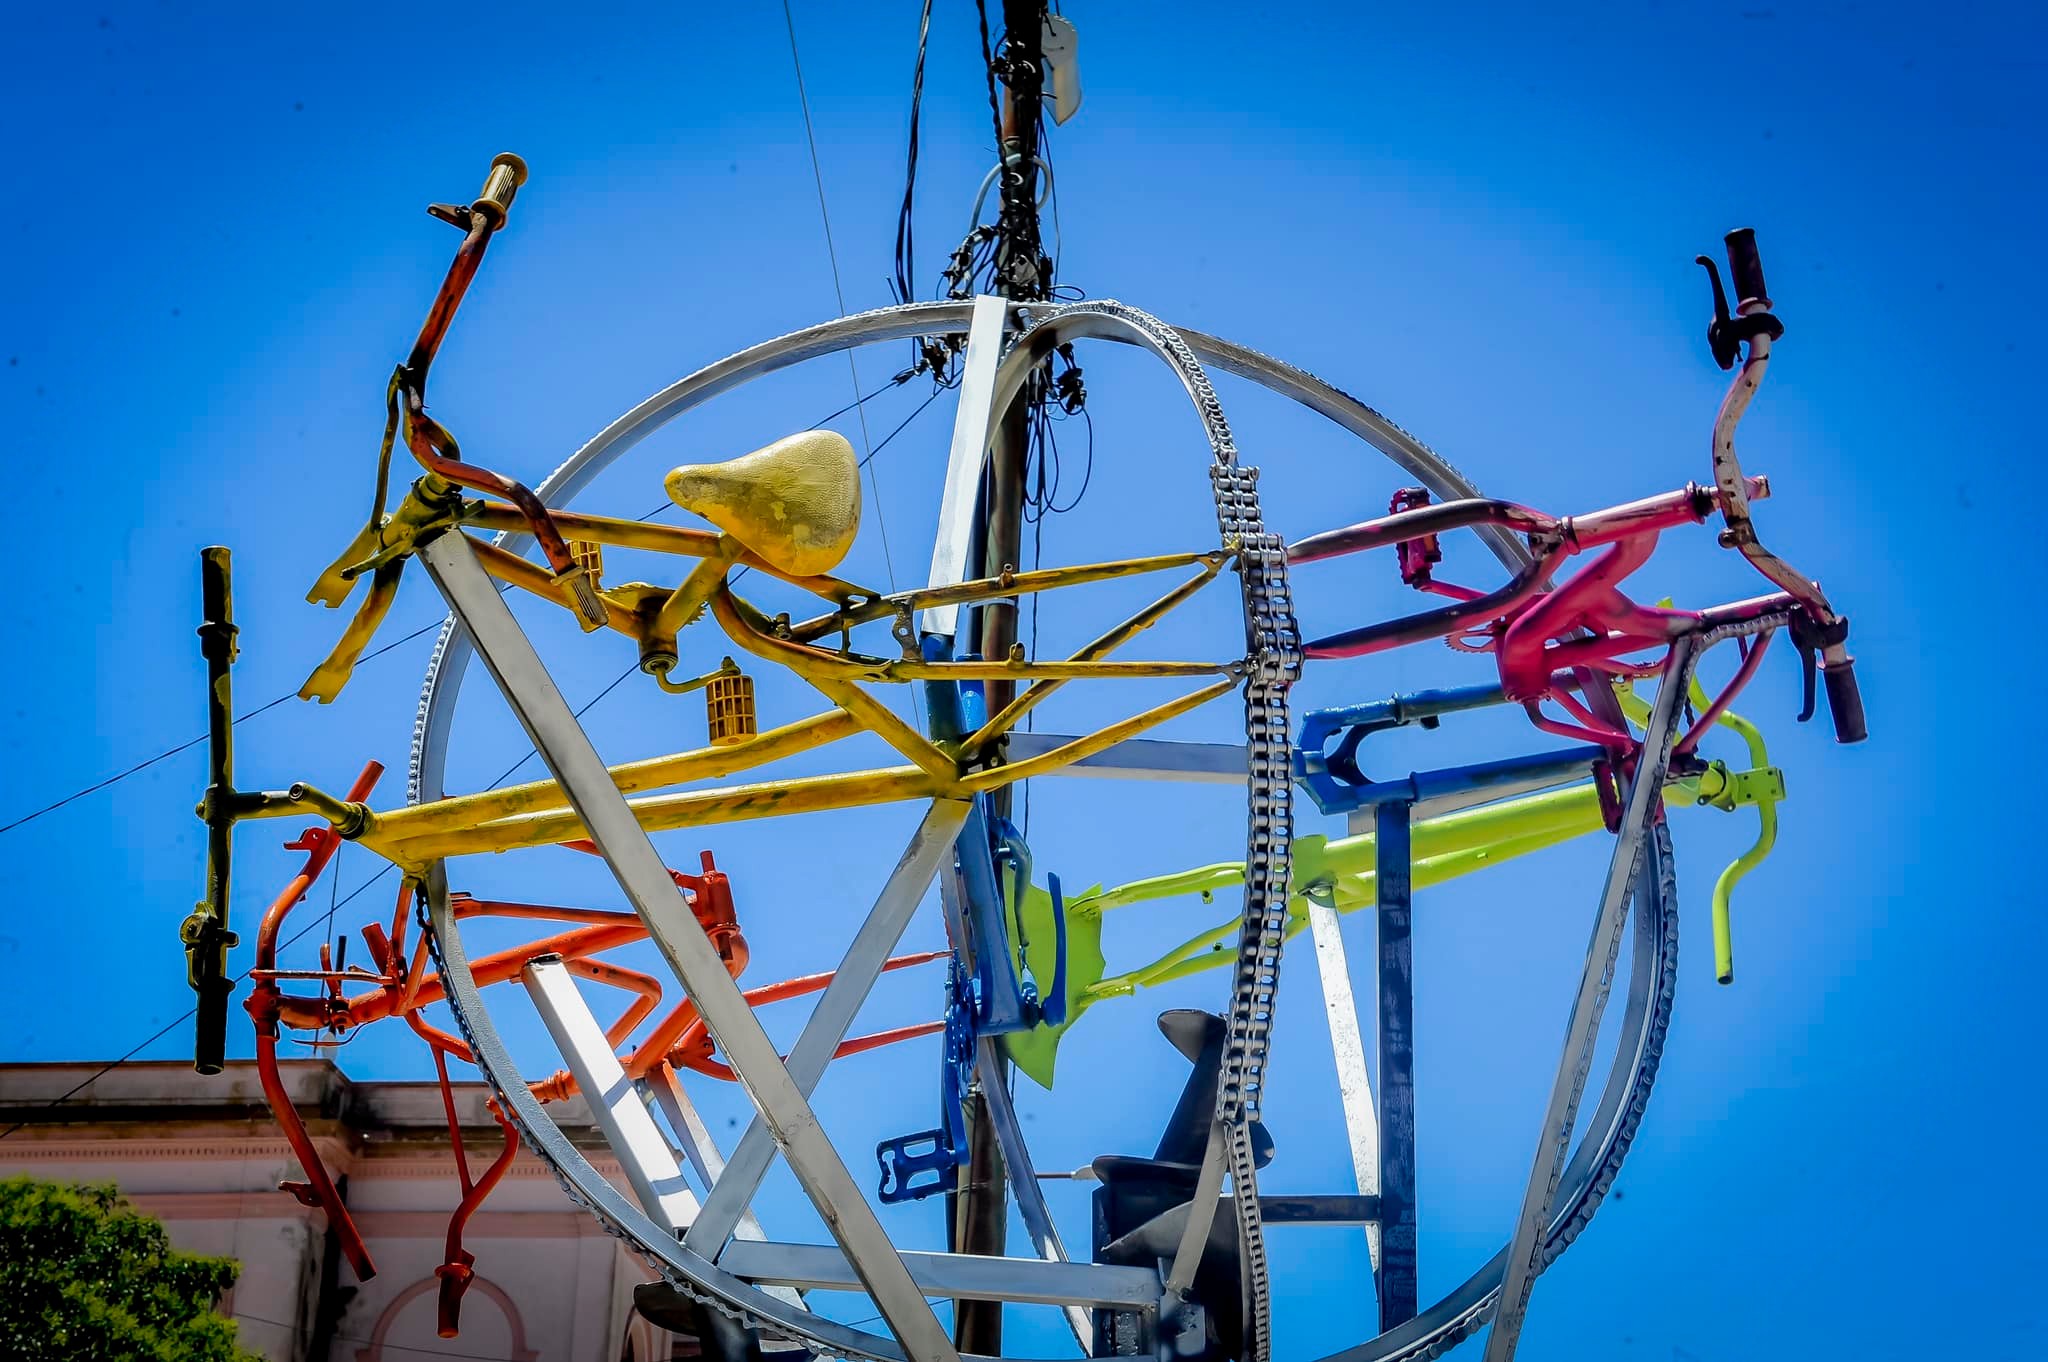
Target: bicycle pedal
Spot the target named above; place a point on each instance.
(916, 1166)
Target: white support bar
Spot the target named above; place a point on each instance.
(964, 462)
(833, 1016)
(664, 1088)
(649, 1164)
(623, 843)
(1023, 1177)
(957, 1276)
(1347, 1044)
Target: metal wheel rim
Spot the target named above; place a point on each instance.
(1594, 1162)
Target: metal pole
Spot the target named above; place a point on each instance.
(1393, 881)
(982, 1215)
(205, 932)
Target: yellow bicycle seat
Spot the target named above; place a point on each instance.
(796, 503)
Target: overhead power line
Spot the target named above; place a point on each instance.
(187, 746)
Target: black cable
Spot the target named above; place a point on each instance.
(531, 752)
(105, 1069)
(170, 752)
(897, 381)
(988, 60)
(884, 442)
(906, 235)
(347, 1338)
(295, 938)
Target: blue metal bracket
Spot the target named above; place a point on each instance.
(1334, 781)
(922, 1164)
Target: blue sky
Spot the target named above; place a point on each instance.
(1481, 219)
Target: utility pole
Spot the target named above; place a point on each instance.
(981, 1208)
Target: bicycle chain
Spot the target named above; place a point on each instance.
(1274, 658)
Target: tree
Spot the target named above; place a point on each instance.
(84, 1275)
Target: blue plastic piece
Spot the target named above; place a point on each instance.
(1054, 1011)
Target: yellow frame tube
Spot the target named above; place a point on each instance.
(1100, 740)
(887, 725)
(817, 664)
(666, 813)
(1060, 670)
(469, 811)
(1009, 584)
(1007, 717)
(1355, 892)
(530, 576)
(644, 534)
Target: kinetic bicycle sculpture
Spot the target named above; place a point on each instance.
(1176, 1267)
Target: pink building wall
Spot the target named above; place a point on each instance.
(203, 1155)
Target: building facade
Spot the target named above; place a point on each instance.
(203, 1155)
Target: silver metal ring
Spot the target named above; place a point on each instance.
(1585, 1179)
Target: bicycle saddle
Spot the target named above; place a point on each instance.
(795, 503)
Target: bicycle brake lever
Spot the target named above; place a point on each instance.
(1809, 665)
(1726, 333)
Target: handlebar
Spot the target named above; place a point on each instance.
(1746, 269)
(1823, 634)
(507, 173)
(1845, 700)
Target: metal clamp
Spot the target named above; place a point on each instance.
(1337, 785)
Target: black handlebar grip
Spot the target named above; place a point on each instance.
(1845, 701)
(210, 1047)
(1746, 268)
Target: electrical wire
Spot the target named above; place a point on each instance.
(838, 291)
(906, 234)
(296, 937)
(170, 752)
(385, 1344)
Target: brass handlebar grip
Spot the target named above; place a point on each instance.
(508, 172)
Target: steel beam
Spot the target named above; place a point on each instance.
(624, 845)
(664, 1088)
(1525, 1248)
(956, 1276)
(649, 1164)
(1205, 763)
(1017, 1165)
(955, 536)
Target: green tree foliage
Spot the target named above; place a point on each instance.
(84, 1275)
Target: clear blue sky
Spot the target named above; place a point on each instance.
(1481, 219)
